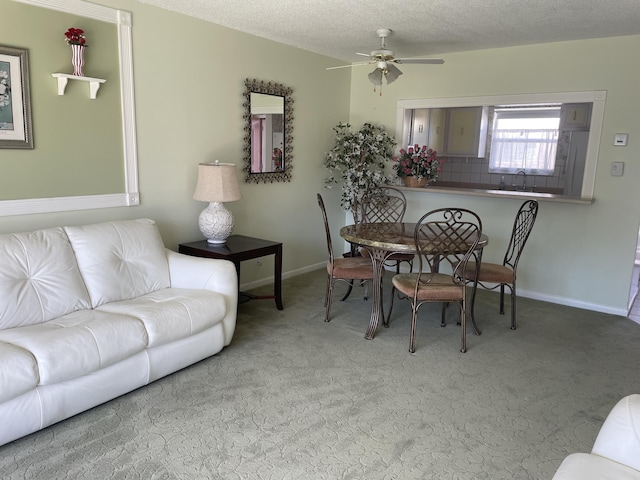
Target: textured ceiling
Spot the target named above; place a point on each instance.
(340, 28)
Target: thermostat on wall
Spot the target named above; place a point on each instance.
(620, 139)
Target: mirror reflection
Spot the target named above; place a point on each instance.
(267, 133)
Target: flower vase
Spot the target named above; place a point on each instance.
(77, 59)
(414, 182)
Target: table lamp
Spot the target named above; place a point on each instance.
(217, 183)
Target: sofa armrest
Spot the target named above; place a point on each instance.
(186, 271)
(619, 437)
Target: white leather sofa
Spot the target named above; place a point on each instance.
(616, 451)
(92, 312)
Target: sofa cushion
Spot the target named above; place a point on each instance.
(173, 313)
(39, 278)
(120, 260)
(18, 371)
(78, 343)
(586, 466)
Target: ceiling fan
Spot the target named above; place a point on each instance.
(384, 61)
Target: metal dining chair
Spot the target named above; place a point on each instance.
(443, 236)
(348, 269)
(387, 204)
(504, 274)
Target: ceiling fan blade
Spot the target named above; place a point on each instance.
(375, 77)
(392, 74)
(348, 66)
(424, 61)
(363, 54)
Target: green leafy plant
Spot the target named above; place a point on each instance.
(357, 161)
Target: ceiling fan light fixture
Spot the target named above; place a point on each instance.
(385, 61)
(392, 73)
(375, 77)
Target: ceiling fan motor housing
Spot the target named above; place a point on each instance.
(382, 54)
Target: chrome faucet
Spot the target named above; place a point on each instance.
(522, 187)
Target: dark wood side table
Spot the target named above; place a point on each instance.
(237, 249)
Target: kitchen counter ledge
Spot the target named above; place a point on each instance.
(483, 192)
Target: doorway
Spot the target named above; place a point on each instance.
(634, 298)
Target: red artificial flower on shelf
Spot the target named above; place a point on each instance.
(75, 36)
(416, 161)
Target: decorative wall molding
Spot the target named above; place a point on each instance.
(131, 196)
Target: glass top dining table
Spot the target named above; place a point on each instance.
(382, 240)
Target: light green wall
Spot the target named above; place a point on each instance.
(578, 254)
(189, 79)
(77, 141)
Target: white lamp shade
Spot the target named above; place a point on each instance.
(217, 183)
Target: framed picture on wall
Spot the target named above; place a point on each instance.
(15, 99)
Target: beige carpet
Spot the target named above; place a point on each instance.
(294, 398)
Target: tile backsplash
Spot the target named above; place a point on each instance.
(468, 170)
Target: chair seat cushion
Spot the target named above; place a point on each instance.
(356, 268)
(441, 287)
(490, 272)
(586, 466)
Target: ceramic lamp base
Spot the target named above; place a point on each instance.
(216, 223)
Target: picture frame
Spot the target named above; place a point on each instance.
(16, 131)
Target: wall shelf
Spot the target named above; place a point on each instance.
(63, 78)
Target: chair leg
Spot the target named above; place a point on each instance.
(502, 299)
(414, 321)
(327, 309)
(443, 319)
(385, 319)
(513, 307)
(463, 323)
(346, 295)
(366, 290)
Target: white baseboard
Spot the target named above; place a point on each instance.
(293, 273)
(569, 302)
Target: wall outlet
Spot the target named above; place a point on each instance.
(617, 169)
(258, 263)
(620, 139)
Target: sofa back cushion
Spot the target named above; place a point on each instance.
(39, 278)
(120, 260)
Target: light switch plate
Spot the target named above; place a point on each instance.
(620, 139)
(617, 169)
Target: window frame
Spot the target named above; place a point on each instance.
(524, 112)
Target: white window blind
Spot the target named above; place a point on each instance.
(525, 139)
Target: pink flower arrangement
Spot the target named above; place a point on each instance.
(277, 159)
(416, 161)
(75, 36)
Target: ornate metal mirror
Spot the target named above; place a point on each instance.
(268, 132)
